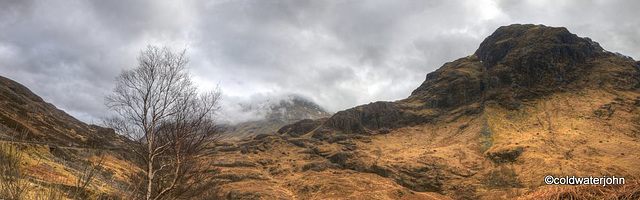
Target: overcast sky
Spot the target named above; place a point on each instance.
(337, 53)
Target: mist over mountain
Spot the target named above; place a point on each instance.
(266, 114)
(259, 107)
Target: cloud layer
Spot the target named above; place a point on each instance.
(337, 53)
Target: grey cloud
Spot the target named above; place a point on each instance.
(611, 23)
(236, 109)
(337, 53)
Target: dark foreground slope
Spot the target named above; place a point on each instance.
(531, 101)
(25, 116)
(54, 149)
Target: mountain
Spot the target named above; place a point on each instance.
(532, 101)
(274, 114)
(54, 148)
(25, 116)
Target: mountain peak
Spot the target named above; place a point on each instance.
(535, 40)
(522, 62)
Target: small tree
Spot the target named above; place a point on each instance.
(170, 123)
(89, 170)
(13, 181)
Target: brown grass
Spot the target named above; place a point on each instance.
(631, 190)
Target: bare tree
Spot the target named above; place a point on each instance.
(169, 121)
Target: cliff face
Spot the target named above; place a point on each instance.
(531, 101)
(524, 62)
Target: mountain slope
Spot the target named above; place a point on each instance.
(531, 101)
(25, 116)
(54, 149)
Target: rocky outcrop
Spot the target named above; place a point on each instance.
(320, 166)
(300, 127)
(518, 63)
(455, 84)
(527, 44)
(513, 58)
(373, 118)
(505, 154)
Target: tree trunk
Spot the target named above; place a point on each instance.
(150, 173)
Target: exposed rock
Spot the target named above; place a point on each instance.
(338, 138)
(455, 84)
(235, 164)
(380, 170)
(320, 166)
(605, 111)
(501, 177)
(623, 56)
(308, 151)
(371, 116)
(299, 142)
(340, 158)
(300, 127)
(304, 142)
(321, 151)
(234, 177)
(366, 119)
(505, 154)
(538, 41)
(424, 178)
(261, 136)
(348, 145)
(519, 63)
(227, 149)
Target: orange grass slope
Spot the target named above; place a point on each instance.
(273, 168)
(531, 101)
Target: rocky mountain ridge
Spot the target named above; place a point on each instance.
(531, 101)
(515, 64)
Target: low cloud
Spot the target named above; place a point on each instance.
(256, 107)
